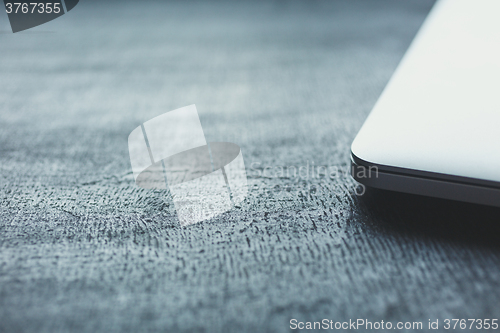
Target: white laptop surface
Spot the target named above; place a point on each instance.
(436, 128)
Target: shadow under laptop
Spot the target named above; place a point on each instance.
(433, 217)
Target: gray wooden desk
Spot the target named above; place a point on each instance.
(83, 249)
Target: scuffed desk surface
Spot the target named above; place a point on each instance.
(83, 249)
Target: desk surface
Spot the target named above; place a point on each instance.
(83, 249)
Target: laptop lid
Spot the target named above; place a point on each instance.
(439, 115)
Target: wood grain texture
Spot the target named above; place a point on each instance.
(83, 249)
